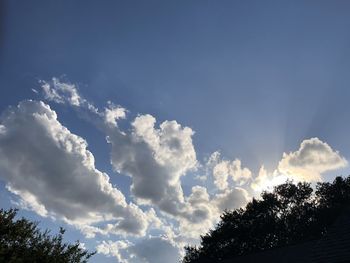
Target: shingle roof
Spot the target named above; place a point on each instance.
(335, 246)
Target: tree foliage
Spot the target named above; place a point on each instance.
(289, 214)
(22, 241)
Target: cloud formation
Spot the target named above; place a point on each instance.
(204, 210)
(231, 199)
(313, 158)
(67, 93)
(149, 250)
(53, 172)
(61, 92)
(156, 157)
(225, 171)
(113, 113)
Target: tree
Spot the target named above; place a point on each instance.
(22, 241)
(291, 213)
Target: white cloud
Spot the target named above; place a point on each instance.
(113, 113)
(220, 174)
(204, 210)
(28, 201)
(155, 159)
(53, 172)
(156, 250)
(313, 158)
(224, 170)
(171, 144)
(61, 92)
(266, 181)
(231, 199)
(2, 129)
(148, 250)
(199, 213)
(308, 163)
(118, 249)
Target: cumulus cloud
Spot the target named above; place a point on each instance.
(231, 199)
(53, 172)
(224, 170)
(149, 250)
(200, 214)
(113, 113)
(155, 159)
(155, 250)
(313, 158)
(204, 210)
(118, 249)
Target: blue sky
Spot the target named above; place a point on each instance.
(251, 79)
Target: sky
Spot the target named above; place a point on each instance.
(135, 124)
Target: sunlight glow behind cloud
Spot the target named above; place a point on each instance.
(53, 173)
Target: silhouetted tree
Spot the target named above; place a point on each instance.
(289, 214)
(22, 241)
